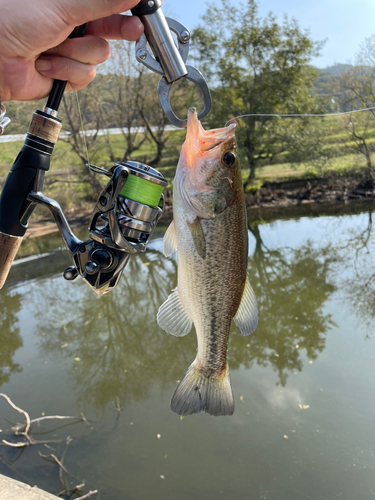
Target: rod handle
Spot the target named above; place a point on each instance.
(9, 246)
(58, 88)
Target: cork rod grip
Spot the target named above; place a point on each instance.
(9, 246)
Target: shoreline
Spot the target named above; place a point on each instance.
(272, 197)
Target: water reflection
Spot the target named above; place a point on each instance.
(358, 283)
(292, 286)
(122, 351)
(120, 348)
(10, 338)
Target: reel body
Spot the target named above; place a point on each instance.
(122, 223)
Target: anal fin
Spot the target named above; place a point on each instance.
(246, 317)
(172, 316)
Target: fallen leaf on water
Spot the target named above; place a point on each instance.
(178, 381)
(247, 345)
(186, 414)
(42, 413)
(297, 346)
(310, 362)
(64, 345)
(293, 430)
(158, 436)
(146, 264)
(77, 359)
(162, 477)
(296, 317)
(241, 398)
(303, 407)
(277, 355)
(165, 456)
(285, 436)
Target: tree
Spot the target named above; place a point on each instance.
(82, 119)
(121, 100)
(358, 90)
(258, 66)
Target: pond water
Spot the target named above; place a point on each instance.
(304, 382)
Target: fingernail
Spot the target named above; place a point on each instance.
(43, 65)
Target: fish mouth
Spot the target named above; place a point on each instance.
(200, 140)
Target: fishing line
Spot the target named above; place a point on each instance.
(142, 191)
(82, 128)
(308, 115)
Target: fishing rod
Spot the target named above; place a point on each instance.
(130, 205)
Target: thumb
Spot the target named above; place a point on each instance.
(77, 12)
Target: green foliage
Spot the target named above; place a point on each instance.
(357, 91)
(258, 66)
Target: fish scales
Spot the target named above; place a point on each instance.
(209, 231)
(208, 303)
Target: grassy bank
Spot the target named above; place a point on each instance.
(67, 180)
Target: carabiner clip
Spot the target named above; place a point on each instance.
(4, 121)
(167, 59)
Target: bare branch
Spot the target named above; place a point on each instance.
(7, 398)
(55, 459)
(89, 494)
(53, 417)
(16, 445)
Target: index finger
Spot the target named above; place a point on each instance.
(116, 27)
(74, 12)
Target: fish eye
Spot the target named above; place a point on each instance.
(229, 158)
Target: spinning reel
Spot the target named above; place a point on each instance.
(121, 225)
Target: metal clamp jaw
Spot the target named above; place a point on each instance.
(167, 59)
(4, 121)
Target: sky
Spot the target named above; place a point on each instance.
(344, 23)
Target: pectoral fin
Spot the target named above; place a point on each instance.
(198, 237)
(246, 317)
(172, 316)
(170, 240)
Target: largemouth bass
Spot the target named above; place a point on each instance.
(209, 232)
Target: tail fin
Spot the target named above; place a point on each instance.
(198, 392)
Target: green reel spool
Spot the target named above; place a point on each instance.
(144, 185)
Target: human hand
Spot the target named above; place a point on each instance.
(34, 49)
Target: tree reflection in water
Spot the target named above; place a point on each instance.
(10, 338)
(358, 282)
(123, 352)
(292, 286)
